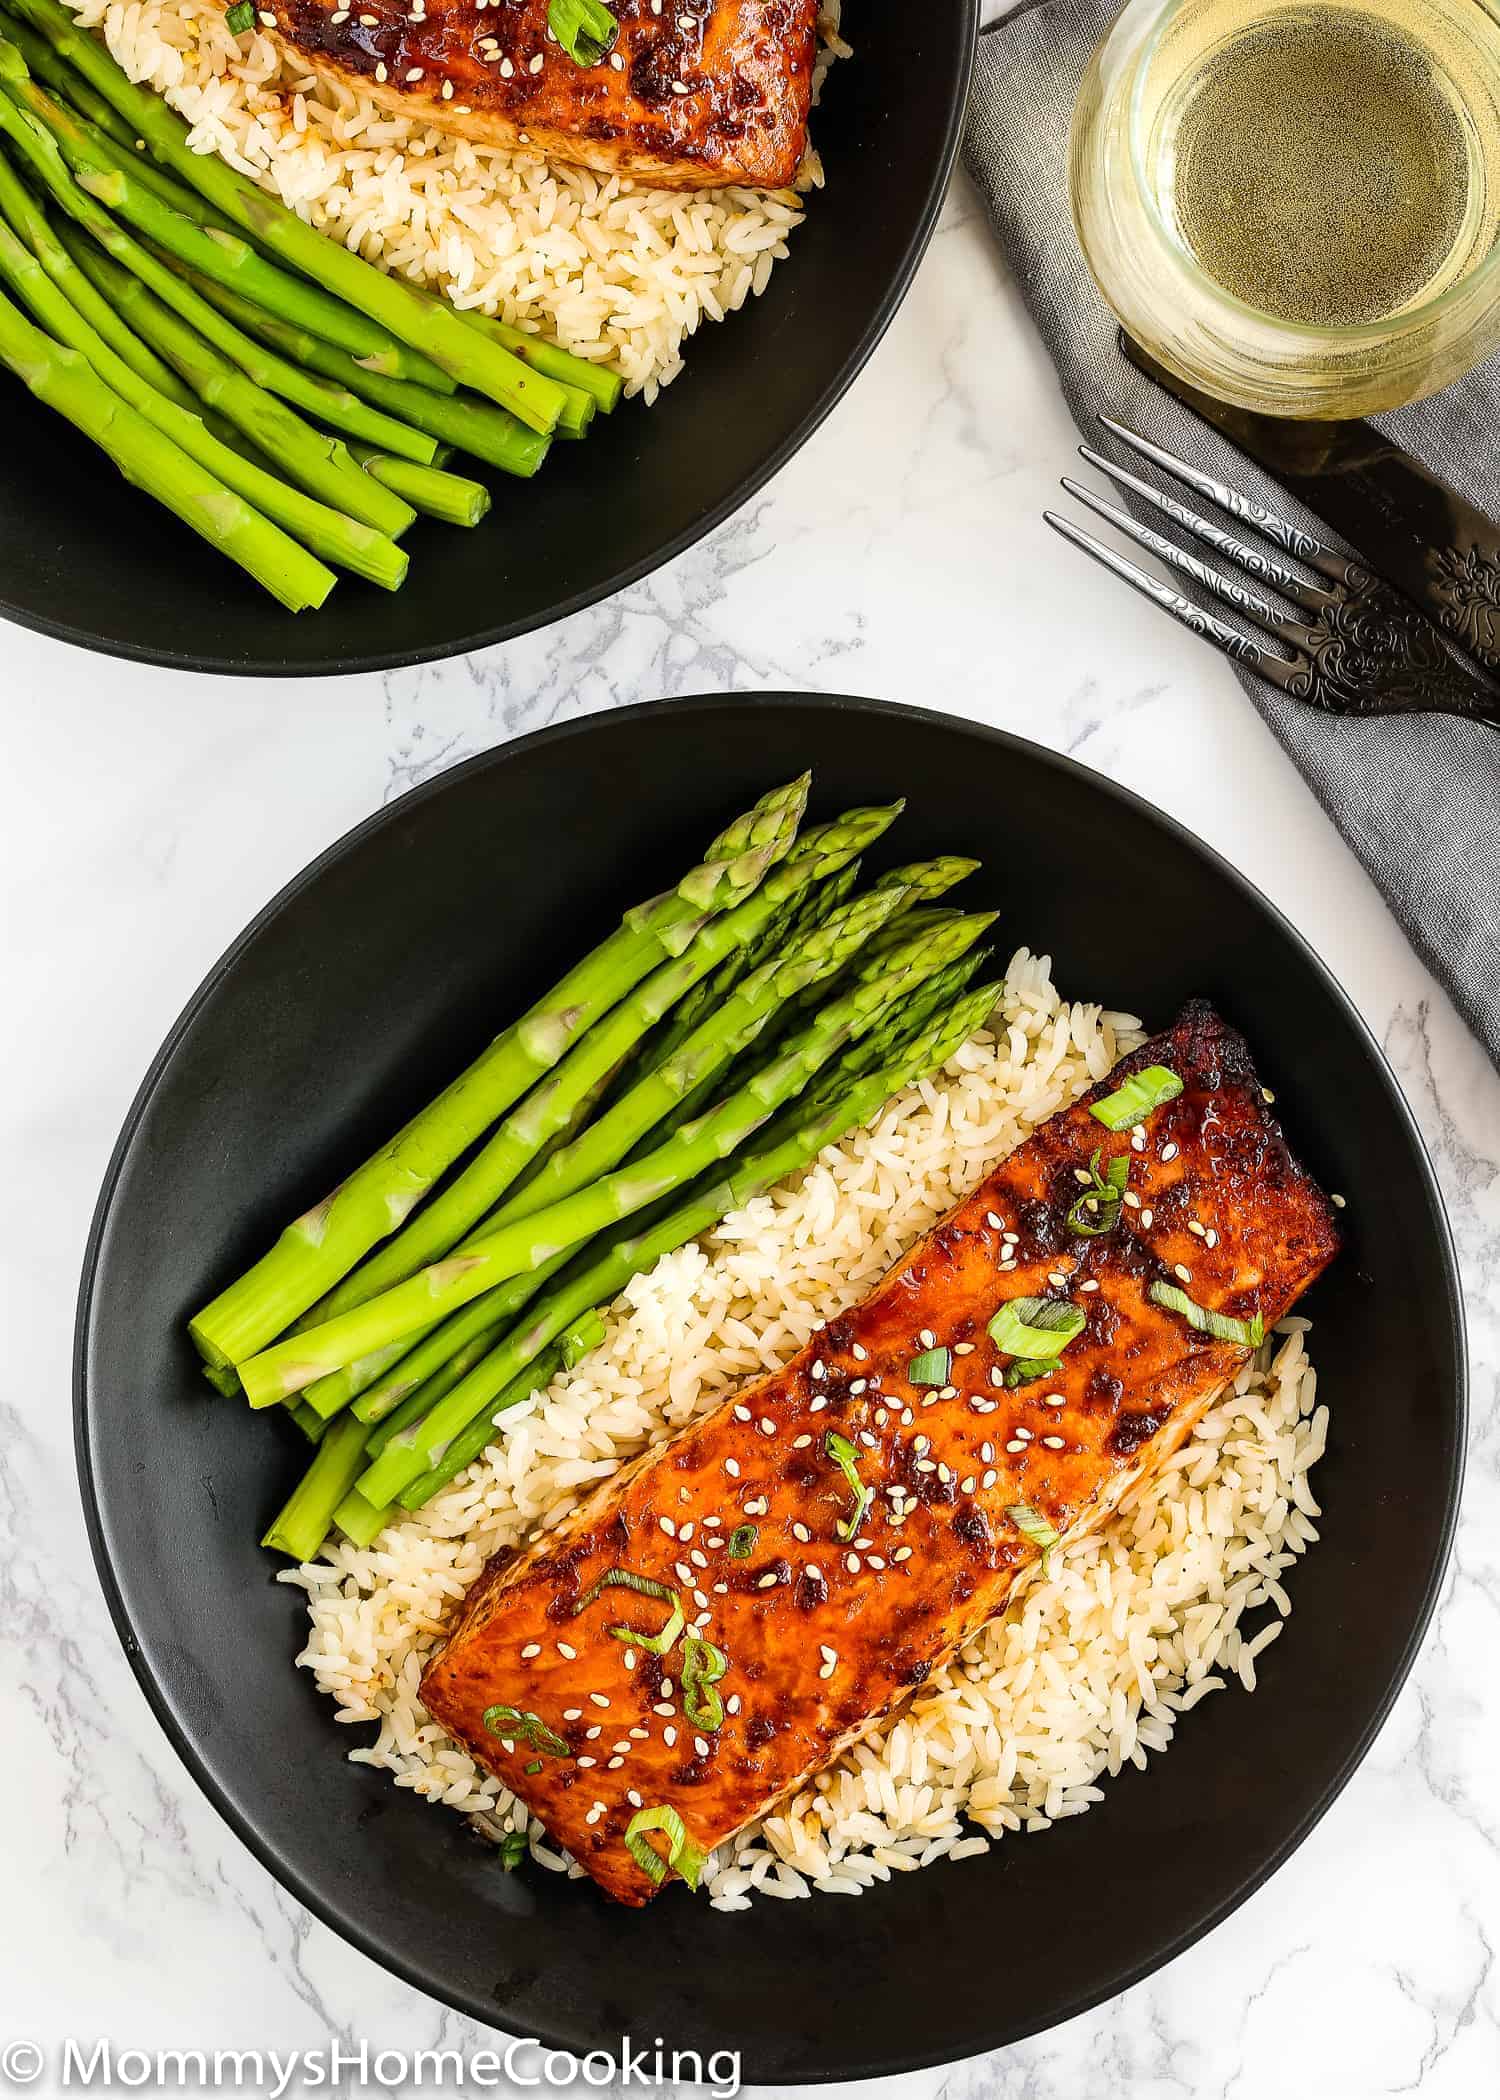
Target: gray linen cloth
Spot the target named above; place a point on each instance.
(1418, 799)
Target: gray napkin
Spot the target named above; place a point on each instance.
(1418, 799)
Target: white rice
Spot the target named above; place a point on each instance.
(616, 272)
(1085, 1673)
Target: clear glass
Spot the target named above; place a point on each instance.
(1153, 280)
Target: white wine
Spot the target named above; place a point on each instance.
(1322, 165)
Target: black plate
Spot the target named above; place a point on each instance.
(87, 558)
(351, 999)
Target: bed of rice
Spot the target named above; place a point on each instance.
(1086, 1672)
(616, 272)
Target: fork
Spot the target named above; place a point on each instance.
(1360, 648)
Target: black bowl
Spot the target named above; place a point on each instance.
(87, 558)
(350, 1000)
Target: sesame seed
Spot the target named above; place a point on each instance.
(584, 1763)
(907, 1417)
(1340, 1202)
(963, 1348)
(1132, 1200)
(1006, 1267)
(447, 90)
(851, 1562)
(630, 1658)
(569, 1654)
(1054, 1443)
(614, 1764)
(990, 1478)
(1091, 1285)
(531, 1648)
(1185, 1273)
(949, 1392)
(869, 1441)
(1015, 1444)
(572, 1713)
(1211, 1238)
(767, 1582)
(599, 1698)
(732, 1467)
(700, 1560)
(992, 1221)
(968, 1484)
(721, 1589)
(1056, 1278)
(1147, 1217)
(380, 72)
(665, 1708)
(801, 1534)
(860, 1354)
(757, 1506)
(1195, 1227)
(827, 1669)
(732, 1704)
(1267, 1096)
(984, 1407)
(700, 1600)
(679, 87)
(712, 1523)
(742, 1414)
(617, 62)
(592, 1735)
(640, 1735)
(819, 1368)
(927, 1338)
(800, 1443)
(669, 1736)
(921, 1443)
(633, 1797)
(1138, 1141)
(507, 68)
(538, 62)
(1168, 1152)
(767, 1426)
(857, 1387)
(700, 1746)
(997, 1376)
(668, 1526)
(622, 1748)
(815, 1407)
(902, 1553)
(1024, 1435)
(413, 73)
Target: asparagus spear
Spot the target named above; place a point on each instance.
(325, 532)
(450, 1351)
(459, 350)
(24, 214)
(592, 1152)
(302, 1525)
(474, 426)
(600, 382)
(551, 1105)
(838, 1106)
(452, 497)
(513, 1249)
(320, 1247)
(316, 460)
(311, 1423)
(64, 380)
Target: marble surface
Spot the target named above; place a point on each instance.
(147, 816)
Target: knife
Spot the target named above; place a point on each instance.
(1433, 545)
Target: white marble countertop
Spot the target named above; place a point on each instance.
(146, 816)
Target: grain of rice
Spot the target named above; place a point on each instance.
(1088, 1670)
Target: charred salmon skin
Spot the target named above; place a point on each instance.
(694, 94)
(713, 1625)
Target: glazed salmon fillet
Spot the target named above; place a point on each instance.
(695, 94)
(816, 1615)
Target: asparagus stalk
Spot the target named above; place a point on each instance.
(601, 383)
(838, 1106)
(314, 459)
(302, 1525)
(594, 1150)
(514, 1249)
(24, 214)
(64, 380)
(452, 497)
(464, 353)
(326, 532)
(474, 426)
(320, 1247)
(551, 1106)
(311, 1423)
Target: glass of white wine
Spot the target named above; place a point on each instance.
(1295, 204)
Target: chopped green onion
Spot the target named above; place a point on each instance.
(513, 1725)
(1098, 1208)
(585, 28)
(742, 1541)
(683, 1856)
(1131, 1103)
(1026, 1368)
(1222, 1326)
(240, 17)
(1031, 1526)
(581, 1339)
(513, 1848)
(702, 1666)
(932, 1367)
(846, 1458)
(534, 1767)
(1037, 1328)
(644, 1586)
